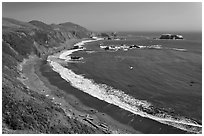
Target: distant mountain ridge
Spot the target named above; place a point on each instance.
(39, 25)
(72, 26)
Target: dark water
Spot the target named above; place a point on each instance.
(141, 124)
(170, 80)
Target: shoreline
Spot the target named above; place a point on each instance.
(111, 110)
(75, 108)
(60, 70)
(33, 79)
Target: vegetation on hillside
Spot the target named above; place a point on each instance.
(23, 110)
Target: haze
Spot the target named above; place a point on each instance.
(135, 16)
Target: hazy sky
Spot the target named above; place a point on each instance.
(121, 16)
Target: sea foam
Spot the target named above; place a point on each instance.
(118, 97)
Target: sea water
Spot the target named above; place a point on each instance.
(163, 84)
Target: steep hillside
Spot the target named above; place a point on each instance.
(41, 25)
(23, 110)
(75, 29)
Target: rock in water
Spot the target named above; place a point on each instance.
(171, 36)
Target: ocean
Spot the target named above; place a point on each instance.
(154, 89)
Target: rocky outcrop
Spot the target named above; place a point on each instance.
(75, 58)
(171, 36)
(119, 47)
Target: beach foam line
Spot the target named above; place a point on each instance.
(176, 49)
(142, 47)
(65, 54)
(122, 100)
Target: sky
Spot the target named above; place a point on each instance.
(115, 16)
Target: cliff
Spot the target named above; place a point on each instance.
(23, 110)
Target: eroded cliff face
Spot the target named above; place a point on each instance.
(25, 111)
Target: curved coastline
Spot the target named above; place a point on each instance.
(113, 96)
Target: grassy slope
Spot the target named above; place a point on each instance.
(23, 110)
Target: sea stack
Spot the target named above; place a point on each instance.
(171, 36)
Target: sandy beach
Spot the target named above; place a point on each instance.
(72, 106)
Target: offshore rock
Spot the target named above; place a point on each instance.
(171, 36)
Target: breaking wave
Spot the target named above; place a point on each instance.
(121, 99)
(160, 47)
(125, 47)
(89, 52)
